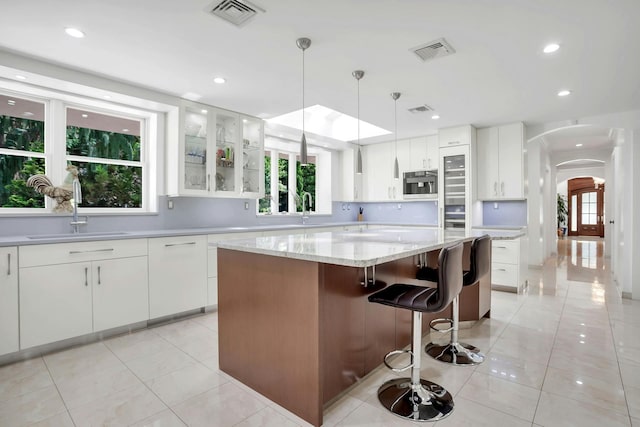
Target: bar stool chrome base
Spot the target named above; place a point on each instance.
(459, 354)
(425, 402)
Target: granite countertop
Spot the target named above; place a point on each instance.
(361, 248)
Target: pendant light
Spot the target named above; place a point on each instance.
(358, 74)
(396, 168)
(303, 43)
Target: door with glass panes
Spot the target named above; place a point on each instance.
(586, 210)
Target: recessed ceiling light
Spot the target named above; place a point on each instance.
(579, 145)
(435, 117)
(106, 97)
(204, 111)
(244, 120)
(28, 113)
(84, 116)
(11, 102)
(74, 32)
(219, 80)
(448, 161)
(564, 92)
(551, 47)
(20, 77)
(125, 130)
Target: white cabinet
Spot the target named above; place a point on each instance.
(379, 183)
(177, 274)
(72, 289)
(218, 153)
(508, 264)
(459, 135)
(500, 162)
(351, 182)
(424, 153)
(212, 259)
(9, 342)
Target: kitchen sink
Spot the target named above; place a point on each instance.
(77, 235)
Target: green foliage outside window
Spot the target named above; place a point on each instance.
(306, 183)
(283, 185)
(264, 204)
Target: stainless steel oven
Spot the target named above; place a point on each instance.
(420, 184)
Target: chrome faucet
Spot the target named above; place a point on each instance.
(77, 199)
(306, 195)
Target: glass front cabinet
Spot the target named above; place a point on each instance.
(219, 153)
(454, 188)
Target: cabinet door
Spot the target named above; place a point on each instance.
(511, 139)
(228, 157)
(55, 303)
(404, 165)
(488, 181)
(195, 156)
(252, 157)
(378, 171)
(177, 274)
(8, 300)
(433, 149)
(418, 154)
(120, 292)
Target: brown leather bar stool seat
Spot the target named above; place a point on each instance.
(414, 398)
(455, 352)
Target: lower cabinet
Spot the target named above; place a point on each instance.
(507, 269)
(9, 341)
(69, 299)
(177, 274)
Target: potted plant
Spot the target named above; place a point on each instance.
(562, 213)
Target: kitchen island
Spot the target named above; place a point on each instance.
(294, 320)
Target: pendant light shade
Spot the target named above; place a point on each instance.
(396, 168)
(358, 74)
(303, 43)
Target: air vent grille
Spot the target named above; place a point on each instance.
(435, 49)
(424, 108)
(234, 11)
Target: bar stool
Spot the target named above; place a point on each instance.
(455, 352)
(414, 398)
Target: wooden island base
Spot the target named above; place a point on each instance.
(301, 332)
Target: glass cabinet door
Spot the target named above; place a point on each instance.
(226, 156)
(454, 191)
(252, 157)
(195, 149)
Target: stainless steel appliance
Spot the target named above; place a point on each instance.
(420, 184)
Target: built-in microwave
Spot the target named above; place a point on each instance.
(420, 184)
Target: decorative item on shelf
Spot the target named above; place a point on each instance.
(396, 168)
(358, 74)
(221, 134)
(360, 215)
(224, 157)
(62, 194)
(246, 143)
(303, 43)
(220, 183)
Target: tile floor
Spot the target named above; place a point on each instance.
(566, 353)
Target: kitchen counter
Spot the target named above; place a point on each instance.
(360, 248)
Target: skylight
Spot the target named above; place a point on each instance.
(324, 121)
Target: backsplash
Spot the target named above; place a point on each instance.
(423, 212)
(512, 213)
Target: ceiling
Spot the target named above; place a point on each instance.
(497, 75)
(590, 138)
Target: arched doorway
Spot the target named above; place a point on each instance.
(586, 206)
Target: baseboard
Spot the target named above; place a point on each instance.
(626, 295)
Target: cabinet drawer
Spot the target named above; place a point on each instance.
(504, 274)
(505, 251)
(62, 253)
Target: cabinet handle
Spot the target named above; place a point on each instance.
(93, 250)
(502, 187)
(495, 188)
(388, 192)
(86, 276)
(500, 247)
(9, 264)
(179, 244)
(500, 269)
(99, 276)
(208, 182)
(453, 142)
(394, 192)
(424, 163)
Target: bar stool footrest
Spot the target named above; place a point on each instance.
(396, 352)
(435, 322)
(426, 401)
(459, 354)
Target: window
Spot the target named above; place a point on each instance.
(264, 204)
(306, 182)
(21, 151)
(111, 145)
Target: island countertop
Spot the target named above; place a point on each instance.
(362, 248)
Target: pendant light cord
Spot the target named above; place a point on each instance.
(303, 91)
(358, 112)
(395, 114)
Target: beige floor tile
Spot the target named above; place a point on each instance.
(629, 355)
(121, 408)
(635, 422)
(339, 410)
(164, 418)
(178, 332)
(222, 406)
(467, 413)
(63, 419)
(450, 377)
(587, 364)
(369, 385)
(31, 407)
(184, 383)
(514, 399)
(559, 411)
(587, 347)
(607, 394)
(512, 369)
(371, 414)
(200, 347)
(626, 334)
(267, 417)
(289, 415)
(523, 349)
(77, 391)
(633, 400)
(630, 374)
(80, 361)
(213, 363)
(159, 364)
(22, 378)
(210, 320)
(139, 344)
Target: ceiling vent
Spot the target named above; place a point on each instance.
(237, 12)
(435, 49)
(424, 108)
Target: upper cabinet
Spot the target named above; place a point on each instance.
(458, 135)
(500, 162)
(218, 153)
(424, 153)
(379, 183)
